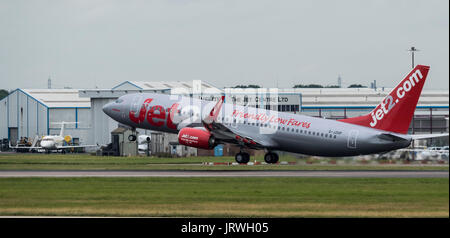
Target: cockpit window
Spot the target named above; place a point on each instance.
(119, 100)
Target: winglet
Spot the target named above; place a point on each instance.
(213, 114)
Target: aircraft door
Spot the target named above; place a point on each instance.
(352, 139)
(13, 135)
(135, 106)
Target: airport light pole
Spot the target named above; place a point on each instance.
(412, 50)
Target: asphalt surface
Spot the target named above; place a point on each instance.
(318, 174)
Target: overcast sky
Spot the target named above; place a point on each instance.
(84, 44)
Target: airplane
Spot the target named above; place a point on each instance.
(54, 142)
(144, 142)
(205, 124)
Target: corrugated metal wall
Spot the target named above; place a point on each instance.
(24, 113)
(4, 118)
(102, 124)
(30, 117)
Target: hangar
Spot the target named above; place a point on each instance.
(32, 112)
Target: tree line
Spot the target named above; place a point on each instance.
(303, 86)
(3, 93)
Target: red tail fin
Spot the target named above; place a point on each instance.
(396, 110)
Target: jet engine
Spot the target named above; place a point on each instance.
(197, 138)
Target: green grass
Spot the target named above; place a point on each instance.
(226, 197)
(88, 162)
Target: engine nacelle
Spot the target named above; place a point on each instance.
(197, 138)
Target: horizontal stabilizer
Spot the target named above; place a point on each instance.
(64, 122)
(427, 136)
(391, 137)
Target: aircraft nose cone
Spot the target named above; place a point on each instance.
(107, 108)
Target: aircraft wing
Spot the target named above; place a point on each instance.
(427, 136)
(23, 147)
(230, 135)
(75, 146)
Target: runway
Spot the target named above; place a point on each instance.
(306, 174)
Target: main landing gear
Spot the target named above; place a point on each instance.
(271, 158)
(244, 157)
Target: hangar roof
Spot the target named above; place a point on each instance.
(61, 98)
(164, 85)
(349, 97)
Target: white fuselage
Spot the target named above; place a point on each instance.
(51, 142)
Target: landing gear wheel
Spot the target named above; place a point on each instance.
(246, 157)
(271, 158)
(242, 157)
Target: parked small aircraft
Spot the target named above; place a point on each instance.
(54, 142)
